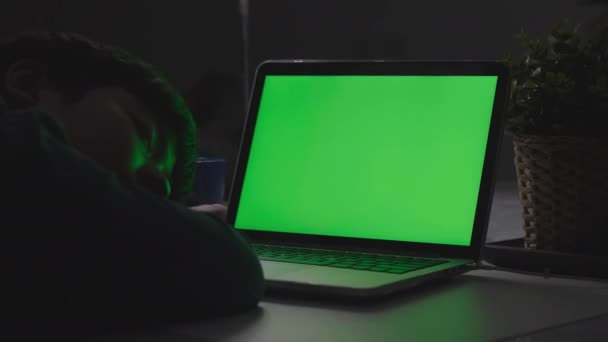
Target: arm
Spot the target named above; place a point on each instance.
(78, 239)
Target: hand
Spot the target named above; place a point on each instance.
(217, 210)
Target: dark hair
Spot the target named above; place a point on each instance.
(75, 65)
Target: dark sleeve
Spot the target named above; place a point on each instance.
(78, 243)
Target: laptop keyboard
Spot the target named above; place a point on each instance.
(343, 259)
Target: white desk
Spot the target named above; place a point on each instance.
(480, 305)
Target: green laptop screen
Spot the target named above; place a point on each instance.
(377, 157)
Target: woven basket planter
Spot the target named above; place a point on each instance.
(563, 188)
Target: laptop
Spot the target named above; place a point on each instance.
(362, 178)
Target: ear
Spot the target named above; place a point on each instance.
(23, 82)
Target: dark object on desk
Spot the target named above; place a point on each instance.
(209, 183)
(512, 254)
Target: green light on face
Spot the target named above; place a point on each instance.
(379, 157)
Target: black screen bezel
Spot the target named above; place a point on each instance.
(325, 67)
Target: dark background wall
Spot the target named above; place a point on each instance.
(184, 38)
(188, 38)
(435, 29)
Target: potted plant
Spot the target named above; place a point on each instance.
(558, 114)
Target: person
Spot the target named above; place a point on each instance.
(97, 150)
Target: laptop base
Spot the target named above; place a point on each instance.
(300, 288)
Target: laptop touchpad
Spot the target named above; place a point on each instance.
(273, 269)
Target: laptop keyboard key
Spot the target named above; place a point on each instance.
(384, 263)
(361, 267)
(378, 269)
(397, 270)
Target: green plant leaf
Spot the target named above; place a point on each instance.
(560, 86)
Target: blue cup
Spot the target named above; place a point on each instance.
(209, 182)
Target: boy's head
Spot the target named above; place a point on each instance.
(114, 107)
